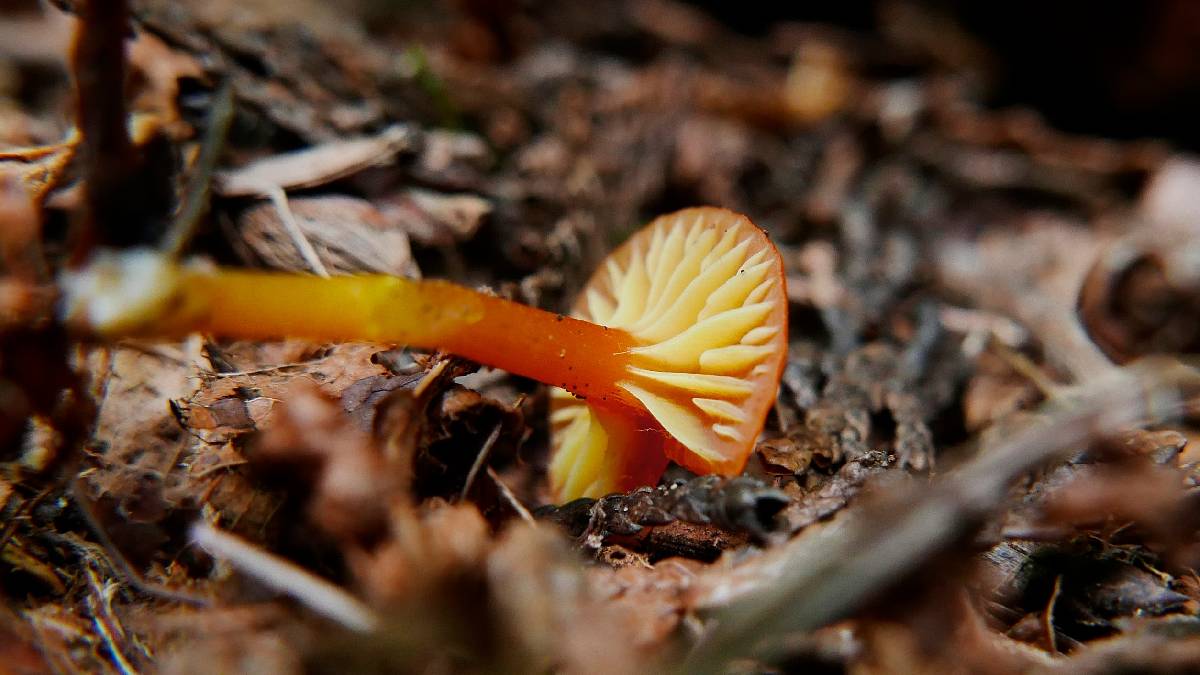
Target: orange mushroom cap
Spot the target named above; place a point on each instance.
(702, 294)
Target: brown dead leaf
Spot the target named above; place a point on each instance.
(539, 584)
(786, 455)
(224, 418)
(435, 219)
(332, 371)
(652, 603)
(995, 391)
(38, 170)
(349, 235)
(317, 165)
(216, 460)
(19, 652)
(246, 357)
(135, 387)
(362, 399)
(145, 396)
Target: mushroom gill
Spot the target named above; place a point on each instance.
(701, 292)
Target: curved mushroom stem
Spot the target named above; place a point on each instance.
(680, 360)
(137, 294)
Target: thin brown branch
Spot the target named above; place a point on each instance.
(129, 189)
(99, 64)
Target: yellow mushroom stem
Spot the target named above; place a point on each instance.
(145, 294)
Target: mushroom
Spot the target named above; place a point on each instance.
(701, 293)
(674, 351)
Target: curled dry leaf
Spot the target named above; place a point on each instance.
(134, 424)
(318, 79)
(349, 234)
(1143, 295)
(435, 219)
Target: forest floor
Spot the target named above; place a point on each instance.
(980, 456)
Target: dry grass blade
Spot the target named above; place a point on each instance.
(316, 165)
(507, 493)
(99, 603)
(480, 460)
(316, 593)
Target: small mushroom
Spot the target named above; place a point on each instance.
(701, 293)
(674, 351)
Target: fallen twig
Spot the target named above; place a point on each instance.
(197, 199)
(99, 65)
(314, 592)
